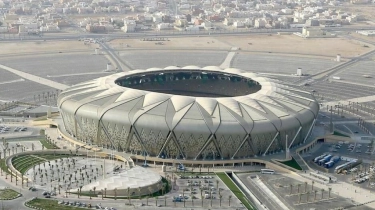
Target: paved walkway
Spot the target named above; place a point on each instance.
(269, 193)
(343, 189)
(228, 60)
(36, 79)
(346, 101)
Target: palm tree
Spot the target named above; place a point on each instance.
(156, 201)
(165, 200)
(299, 197)
(229, 198)
(298, 186)
(315, 191)
(202, 200)
(139, 192)
(220, 197)
(305, 186)
(183, 195)
(94, 190)
(147, 200)
(217, 184)
(291, 189)
(322, 194)
(115, 193)
(105, 192)
(312, 185)
(129, 195)
(80, 189)
(90, 194)
(329, 192)
(307, 196)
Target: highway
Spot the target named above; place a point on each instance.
(235, 32)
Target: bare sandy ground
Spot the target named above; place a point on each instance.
(288, 44)
(26, 47)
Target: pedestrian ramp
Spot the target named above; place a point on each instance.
(270, 194)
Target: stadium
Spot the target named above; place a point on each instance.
(189, 113)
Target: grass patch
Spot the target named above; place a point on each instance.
(336, 133)
(41, 118)
(233, 187)
(155, 194)
(50, 205)
(48, 145)
(292, 163)
(25, 162)
(3, 166)
(8, 194)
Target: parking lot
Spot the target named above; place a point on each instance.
(10, 131)
(203, 190)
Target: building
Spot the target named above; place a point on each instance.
(308, 32)
(189, 113)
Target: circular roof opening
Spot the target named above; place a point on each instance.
(191, 83)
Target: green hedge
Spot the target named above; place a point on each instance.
(236, 191)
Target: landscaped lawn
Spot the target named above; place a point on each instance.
(25, 162)
(8, 194)
(292, 163)
(51, 205)
(48, 145)
(227, 181)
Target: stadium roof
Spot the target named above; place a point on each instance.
(273, 101)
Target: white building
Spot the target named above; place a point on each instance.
(129, 26)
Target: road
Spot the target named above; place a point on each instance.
(235, 32)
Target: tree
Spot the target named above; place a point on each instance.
(183, 195)
(299, 197)
(298, 186)
(217, 184)
(129, 195)
(312, 185)
(307, 196)
(156, 201)
(305, 186)
(115, 193)
(220, 197)
(315, 191)
(165, 200)
(80, 189)
(291, 189)
(322, 194)
(229, 198)
(329, 192)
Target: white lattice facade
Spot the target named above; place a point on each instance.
(108, 113)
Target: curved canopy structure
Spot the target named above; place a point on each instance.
(190, 113)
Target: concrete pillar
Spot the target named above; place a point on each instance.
(233, 164)
(243, 164)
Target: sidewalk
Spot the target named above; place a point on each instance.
(343, 189)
